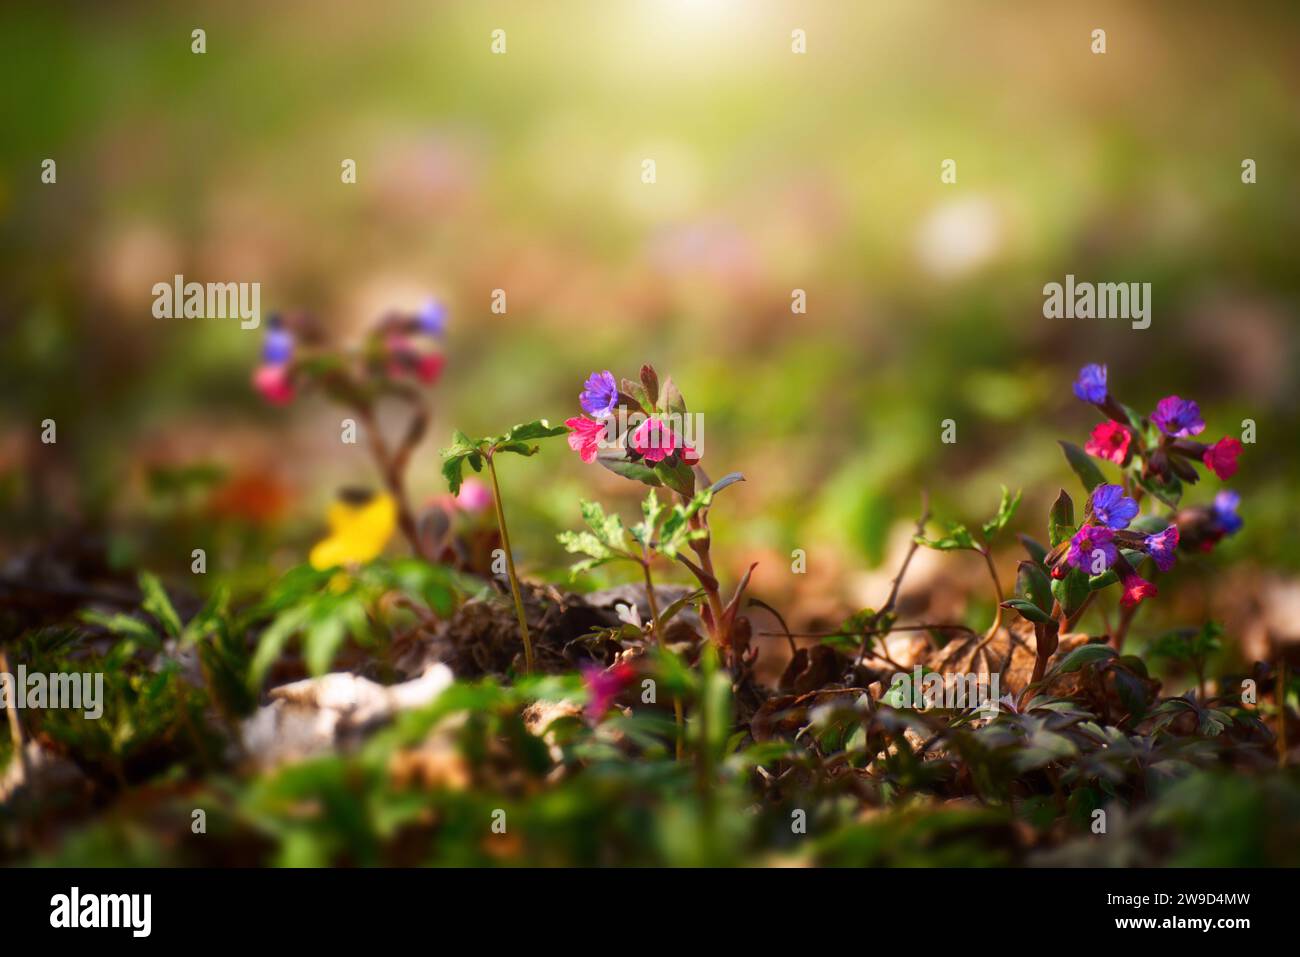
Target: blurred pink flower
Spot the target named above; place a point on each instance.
(1221, 457)
(473, 497)
(274, 383)
(603, 685)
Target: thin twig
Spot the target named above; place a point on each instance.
(15, 726)
(898, 579)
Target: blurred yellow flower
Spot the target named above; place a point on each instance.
(358, 532)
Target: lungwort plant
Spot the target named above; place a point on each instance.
(643, 431)
(1110, 541)
(480, 452)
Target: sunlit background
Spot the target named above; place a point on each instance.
(522, 172)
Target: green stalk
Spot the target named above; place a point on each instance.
(510, 567)
(654, 620)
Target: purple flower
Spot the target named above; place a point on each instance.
(1179, 417)
(600, 396)
(1224, 512)
(1090, 386)
(277, 347)
(1161, 547)
(1086, 543)
(1112, 507)
(432, 318)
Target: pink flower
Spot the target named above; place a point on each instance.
(585, 436)
(603, 685)
(1109, 441)
(1136, 588)
(407, 357)
(1221, 457)
(655, 441)
(428, 367)
(274, 383)
(473, 497)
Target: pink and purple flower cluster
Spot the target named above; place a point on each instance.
(1175, 420)
(399, 346)
(273, 379)
(650, 439)
(1096, 547)
(1159, 453)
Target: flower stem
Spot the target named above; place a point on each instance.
(997, 605)
(510, 567)
(15, 728)
(392, 469)
(654, 622)
(1280, 694)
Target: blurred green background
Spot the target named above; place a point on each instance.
(522, 172)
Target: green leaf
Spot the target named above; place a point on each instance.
(1083, 655)
(676, 474)
(1006, 510)
(1060, 519)
(731, 478)
(652, 512)
(123, 626)
(616, 461)
(676, 532)
(1071, 591)
(322, 641)
(273, 641)
(604, 542)
(674, 608)
(518, 448)
(1187, 644)
(452, 468)
(1028, 610)
(462, 449)
(1083, 466)
(1033, 584)
(958, 537)
(1168, 493)
(159, 605)
(1035, 549)
(537, 429)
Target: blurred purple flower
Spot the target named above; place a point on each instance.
(1224, 511)
(1090, 386)
(277, 347)
(1178, 417)
(433, 318)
